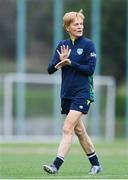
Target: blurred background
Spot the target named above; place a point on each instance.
(29, 97)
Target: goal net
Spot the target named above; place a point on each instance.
(31, 107)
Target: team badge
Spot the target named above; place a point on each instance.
(79, 51)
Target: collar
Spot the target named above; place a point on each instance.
(74, 40)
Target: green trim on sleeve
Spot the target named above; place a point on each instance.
(91, 88)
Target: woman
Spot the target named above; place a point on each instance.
(76, 57)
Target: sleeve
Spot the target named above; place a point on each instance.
(54, 61)
(90, 55)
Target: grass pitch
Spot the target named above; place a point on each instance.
(25, 160)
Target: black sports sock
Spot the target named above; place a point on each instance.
(93, 159)
(58, 161)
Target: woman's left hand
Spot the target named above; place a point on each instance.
(64, 52)
(63, 63)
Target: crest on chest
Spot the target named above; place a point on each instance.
(79, 51)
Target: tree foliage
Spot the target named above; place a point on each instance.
(40, 32)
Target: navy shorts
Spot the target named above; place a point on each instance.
(78, 104)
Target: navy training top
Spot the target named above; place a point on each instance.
(77, 78)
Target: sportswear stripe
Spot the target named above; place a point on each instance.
(60, 157)
(90, 156)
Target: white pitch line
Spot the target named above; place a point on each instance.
(82, 177)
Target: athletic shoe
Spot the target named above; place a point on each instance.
(95, 170)
(51, 169)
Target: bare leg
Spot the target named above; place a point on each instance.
(88, 147)
(73, 123)
(83, 137)
(68, 130)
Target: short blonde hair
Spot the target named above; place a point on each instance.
(70, 17)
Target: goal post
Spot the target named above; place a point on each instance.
(109, 83)
(108, 98)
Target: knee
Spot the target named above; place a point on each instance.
(79, 132)
(67, 129)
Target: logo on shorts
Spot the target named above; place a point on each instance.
(81, 107)
(88, 102)
(79, 51)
